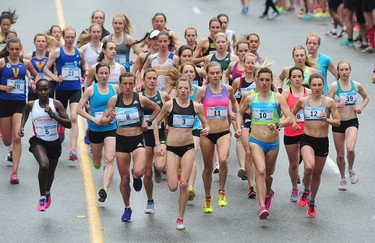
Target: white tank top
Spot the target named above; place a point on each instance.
(230, 37)
(162, 69)
(115, 74)
(44, 126)
(91, 54)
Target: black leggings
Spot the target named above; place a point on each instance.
(270, 3)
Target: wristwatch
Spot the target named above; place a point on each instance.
(149, 123)
(53, 115)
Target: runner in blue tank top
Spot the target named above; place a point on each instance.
(45, 145)
(68, 60)
(100, 135)
(13, 87)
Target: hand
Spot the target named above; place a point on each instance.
(112, 115)
(9, 88)
(233, 116)
(295, 127)
(158, 151)
(59, 78)
(341, 104)
(48, 110)
(21, 133)
(237, 134)
(144, 127)
(323, 115)
(205, 131)
(358, 110)
(97, 121)
(272, 127)
(138, 88)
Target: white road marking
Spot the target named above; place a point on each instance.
(196, 10)
(333, 165)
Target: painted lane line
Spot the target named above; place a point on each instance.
(196, 10)
(332, 165)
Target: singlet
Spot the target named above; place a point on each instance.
(264, 112)
(323, 64)
(347, 96)
(215, 106)
(306, 76)
(69, 67)
(244, 87)
(236, 73)
(229, 34)
(197, 122)
(314, 112)
(122, 50)
(211, 47)
(44, 126)
(198, 80)
(224, 63)
(162, 69)
(98, 103)
(147, 112)
(291, 100)
(38, 64)
(181, 117)
(14, 75)
(91, 54)
(114, 74)
(129, 115)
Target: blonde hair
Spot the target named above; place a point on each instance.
(308, 61)
(128, 26)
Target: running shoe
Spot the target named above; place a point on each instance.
(97, 165)
(150, 207)
(307, 16)
(353, 177)
(347, 42)
(102, 195)
(180, 224)
(42, 205)
(343, 183)
(290, 9)
(13, 178)
(222, 199)
(137, 184)
(208, 206)
(127, 216)
(191, 193)
(342, 33)
(217, 167)
(242, 174)
(10, 156)
(332, 34)
(268, 199)
(294, 195)
(179, 172)
(311, 212)
(263, 16)
(318, 14)
(303, 199)
(86, 139)
(251, 193)
(368, 49)
(73, 155)
(274, 15)
(157, 175)
(280, 9)
(245, 10)
(48, 200)
(263, 212)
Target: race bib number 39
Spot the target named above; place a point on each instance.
(350, 98)
(218, 112)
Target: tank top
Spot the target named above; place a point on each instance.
(236, 73)
(244, 87)
(129, 115)
(198, 80)
(215, 106)
(44, 126)
(197, 122)
(181, 117)
(122, 50)
(162, 69)
(347, 96)
(291, 100)
(91, 54)
(211, 47)
(114, 74)
(38, 64)
(224, 63)
(69, 67)
(306, 76)
(314, 112)
(147, 112)
(14, 75)
(264, 112)
(98, 104)
(229, 34)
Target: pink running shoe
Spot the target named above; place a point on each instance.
(48, 200)
(42, 204)
(263, 212)
(269, 199)
(13, 178)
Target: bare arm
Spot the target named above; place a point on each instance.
(62, 117)
(365, 98)
(25, 116)
(109, 113)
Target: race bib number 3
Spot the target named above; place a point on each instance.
(218, 112)
(127, 116)
(70, 73)
(263, 114)
(183, 121)
(18, 84)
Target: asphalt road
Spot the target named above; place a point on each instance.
(342, 216)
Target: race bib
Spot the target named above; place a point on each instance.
(313, 113)
(126, 116)
(300, 116)
(147, 118)
(70, 73)
(350, 98)
(18, 84)
(263, 114)
(45, 127)
(183, 121)
(120, 59)
(218, 112)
